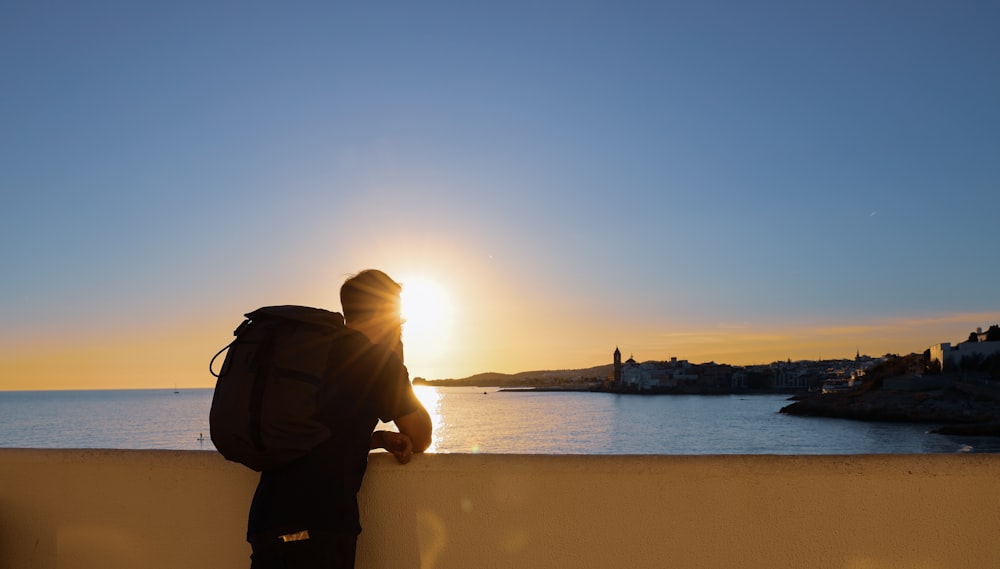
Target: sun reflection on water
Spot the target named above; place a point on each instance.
(430, 398)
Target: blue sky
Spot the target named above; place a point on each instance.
(717, 181)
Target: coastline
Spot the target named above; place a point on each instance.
(663, 391)
(957, 407)
(951, 405)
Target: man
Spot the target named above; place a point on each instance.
(305, 514)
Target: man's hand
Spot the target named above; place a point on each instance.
(398, 444)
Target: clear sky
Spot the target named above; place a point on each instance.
(726, 181)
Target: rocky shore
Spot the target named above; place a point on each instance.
(961, 408)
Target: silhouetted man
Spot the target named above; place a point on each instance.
(305, 514)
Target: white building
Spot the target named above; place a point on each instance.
(951, 356)
(656, 375)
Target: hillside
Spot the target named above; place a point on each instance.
(525, 378)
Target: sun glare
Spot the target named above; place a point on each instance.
(426, 308)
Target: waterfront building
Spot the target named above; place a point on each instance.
(681, 376)
(950, 357)
(672, 375)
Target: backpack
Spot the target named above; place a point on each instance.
(265, 402)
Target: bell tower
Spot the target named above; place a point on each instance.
(618, 366)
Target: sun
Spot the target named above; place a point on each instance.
(427, 310)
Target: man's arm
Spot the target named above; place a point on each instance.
(402, 444)
(416, 425)
(396, 443)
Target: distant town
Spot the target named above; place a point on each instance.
(977, 357)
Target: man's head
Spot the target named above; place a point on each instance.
(370, 300)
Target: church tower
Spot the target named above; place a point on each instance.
(618, 366)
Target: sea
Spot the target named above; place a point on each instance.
(490, 420)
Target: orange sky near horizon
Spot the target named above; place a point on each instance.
(180, 356)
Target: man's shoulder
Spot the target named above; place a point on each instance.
(347, 336)
(350, 340)
(358, 349)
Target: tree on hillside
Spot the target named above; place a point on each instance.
(971, 362)
(980, 363)
(875, 376)
(992, 365)
(891, 366)
(931, 367)
(993, 334)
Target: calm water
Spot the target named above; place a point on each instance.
(469, 420)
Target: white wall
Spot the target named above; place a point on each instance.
(187, 509)
(944, 353)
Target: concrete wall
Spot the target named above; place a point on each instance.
(70, 509)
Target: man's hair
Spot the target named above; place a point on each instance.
(368, 293)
